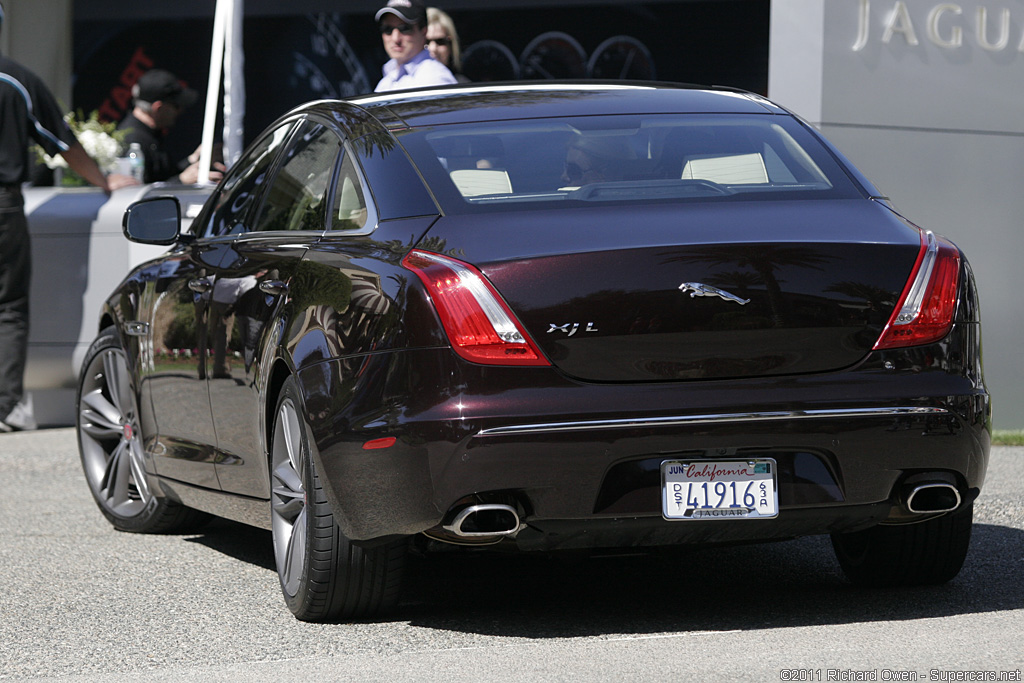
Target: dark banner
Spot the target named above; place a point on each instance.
(291, 60)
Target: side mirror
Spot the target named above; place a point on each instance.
(155, 220)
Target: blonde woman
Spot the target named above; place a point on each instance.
(443, 42)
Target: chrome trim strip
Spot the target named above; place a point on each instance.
(915, 299)
(722, 418)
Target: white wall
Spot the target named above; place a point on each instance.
(79, 256)
(930, 106)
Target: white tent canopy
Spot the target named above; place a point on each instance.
(226, 63)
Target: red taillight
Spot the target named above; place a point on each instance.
(479, 324)
(925, 311)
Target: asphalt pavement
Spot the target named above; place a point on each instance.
(82, 602)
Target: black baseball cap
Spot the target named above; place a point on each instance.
(157, 85)
(409, 11)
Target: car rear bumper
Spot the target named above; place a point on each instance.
(581, 462)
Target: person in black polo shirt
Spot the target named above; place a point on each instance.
(160, 98)
(28, 113)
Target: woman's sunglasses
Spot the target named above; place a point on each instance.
(443, 42)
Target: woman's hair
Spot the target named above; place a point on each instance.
(439, 17)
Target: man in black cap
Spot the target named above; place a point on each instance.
(403, 27)
(159, 99)
(28, 113)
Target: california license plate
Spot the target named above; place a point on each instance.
(724, 489)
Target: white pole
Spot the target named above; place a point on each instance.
(234, 85)
(213, 88)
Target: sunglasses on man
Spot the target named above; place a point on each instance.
(404, 29)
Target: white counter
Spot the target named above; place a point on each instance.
(79, 255)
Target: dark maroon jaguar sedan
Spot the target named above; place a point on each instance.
(541, 317)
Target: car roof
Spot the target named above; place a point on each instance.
(543, 99)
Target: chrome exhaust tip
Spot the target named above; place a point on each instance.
(485, 520)
(931, 497)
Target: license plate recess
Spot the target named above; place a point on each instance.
(719, 489)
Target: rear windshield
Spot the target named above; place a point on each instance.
(670, 157)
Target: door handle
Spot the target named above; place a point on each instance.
(200, 285)
(273, 287)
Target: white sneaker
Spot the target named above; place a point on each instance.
(21, 418)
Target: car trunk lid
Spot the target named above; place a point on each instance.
(736, 290)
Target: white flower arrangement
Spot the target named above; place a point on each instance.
(101, 141)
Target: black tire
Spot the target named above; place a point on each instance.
(110, 446)
(926, 553)
(324, 577)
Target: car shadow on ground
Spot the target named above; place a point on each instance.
(790, 583)
(240, 541)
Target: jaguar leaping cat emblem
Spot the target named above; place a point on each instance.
(701, 289)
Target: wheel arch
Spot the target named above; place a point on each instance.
(279, 373)
(110, 316)
(106, 320)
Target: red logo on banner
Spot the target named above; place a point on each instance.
(119, 101)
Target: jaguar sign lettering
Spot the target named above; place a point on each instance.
(946, 25)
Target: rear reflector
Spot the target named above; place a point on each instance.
(479, 324)
(375, 444)
(925, 311)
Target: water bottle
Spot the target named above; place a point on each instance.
(136, 161)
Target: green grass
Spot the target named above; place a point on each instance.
(1008, 437)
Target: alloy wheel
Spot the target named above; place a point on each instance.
(288, 498)
(109, 435)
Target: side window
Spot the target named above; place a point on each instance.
(349, 202)
(296, 197)
(234, 199)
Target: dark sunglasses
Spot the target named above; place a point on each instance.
(404, 29)
(443, 42)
